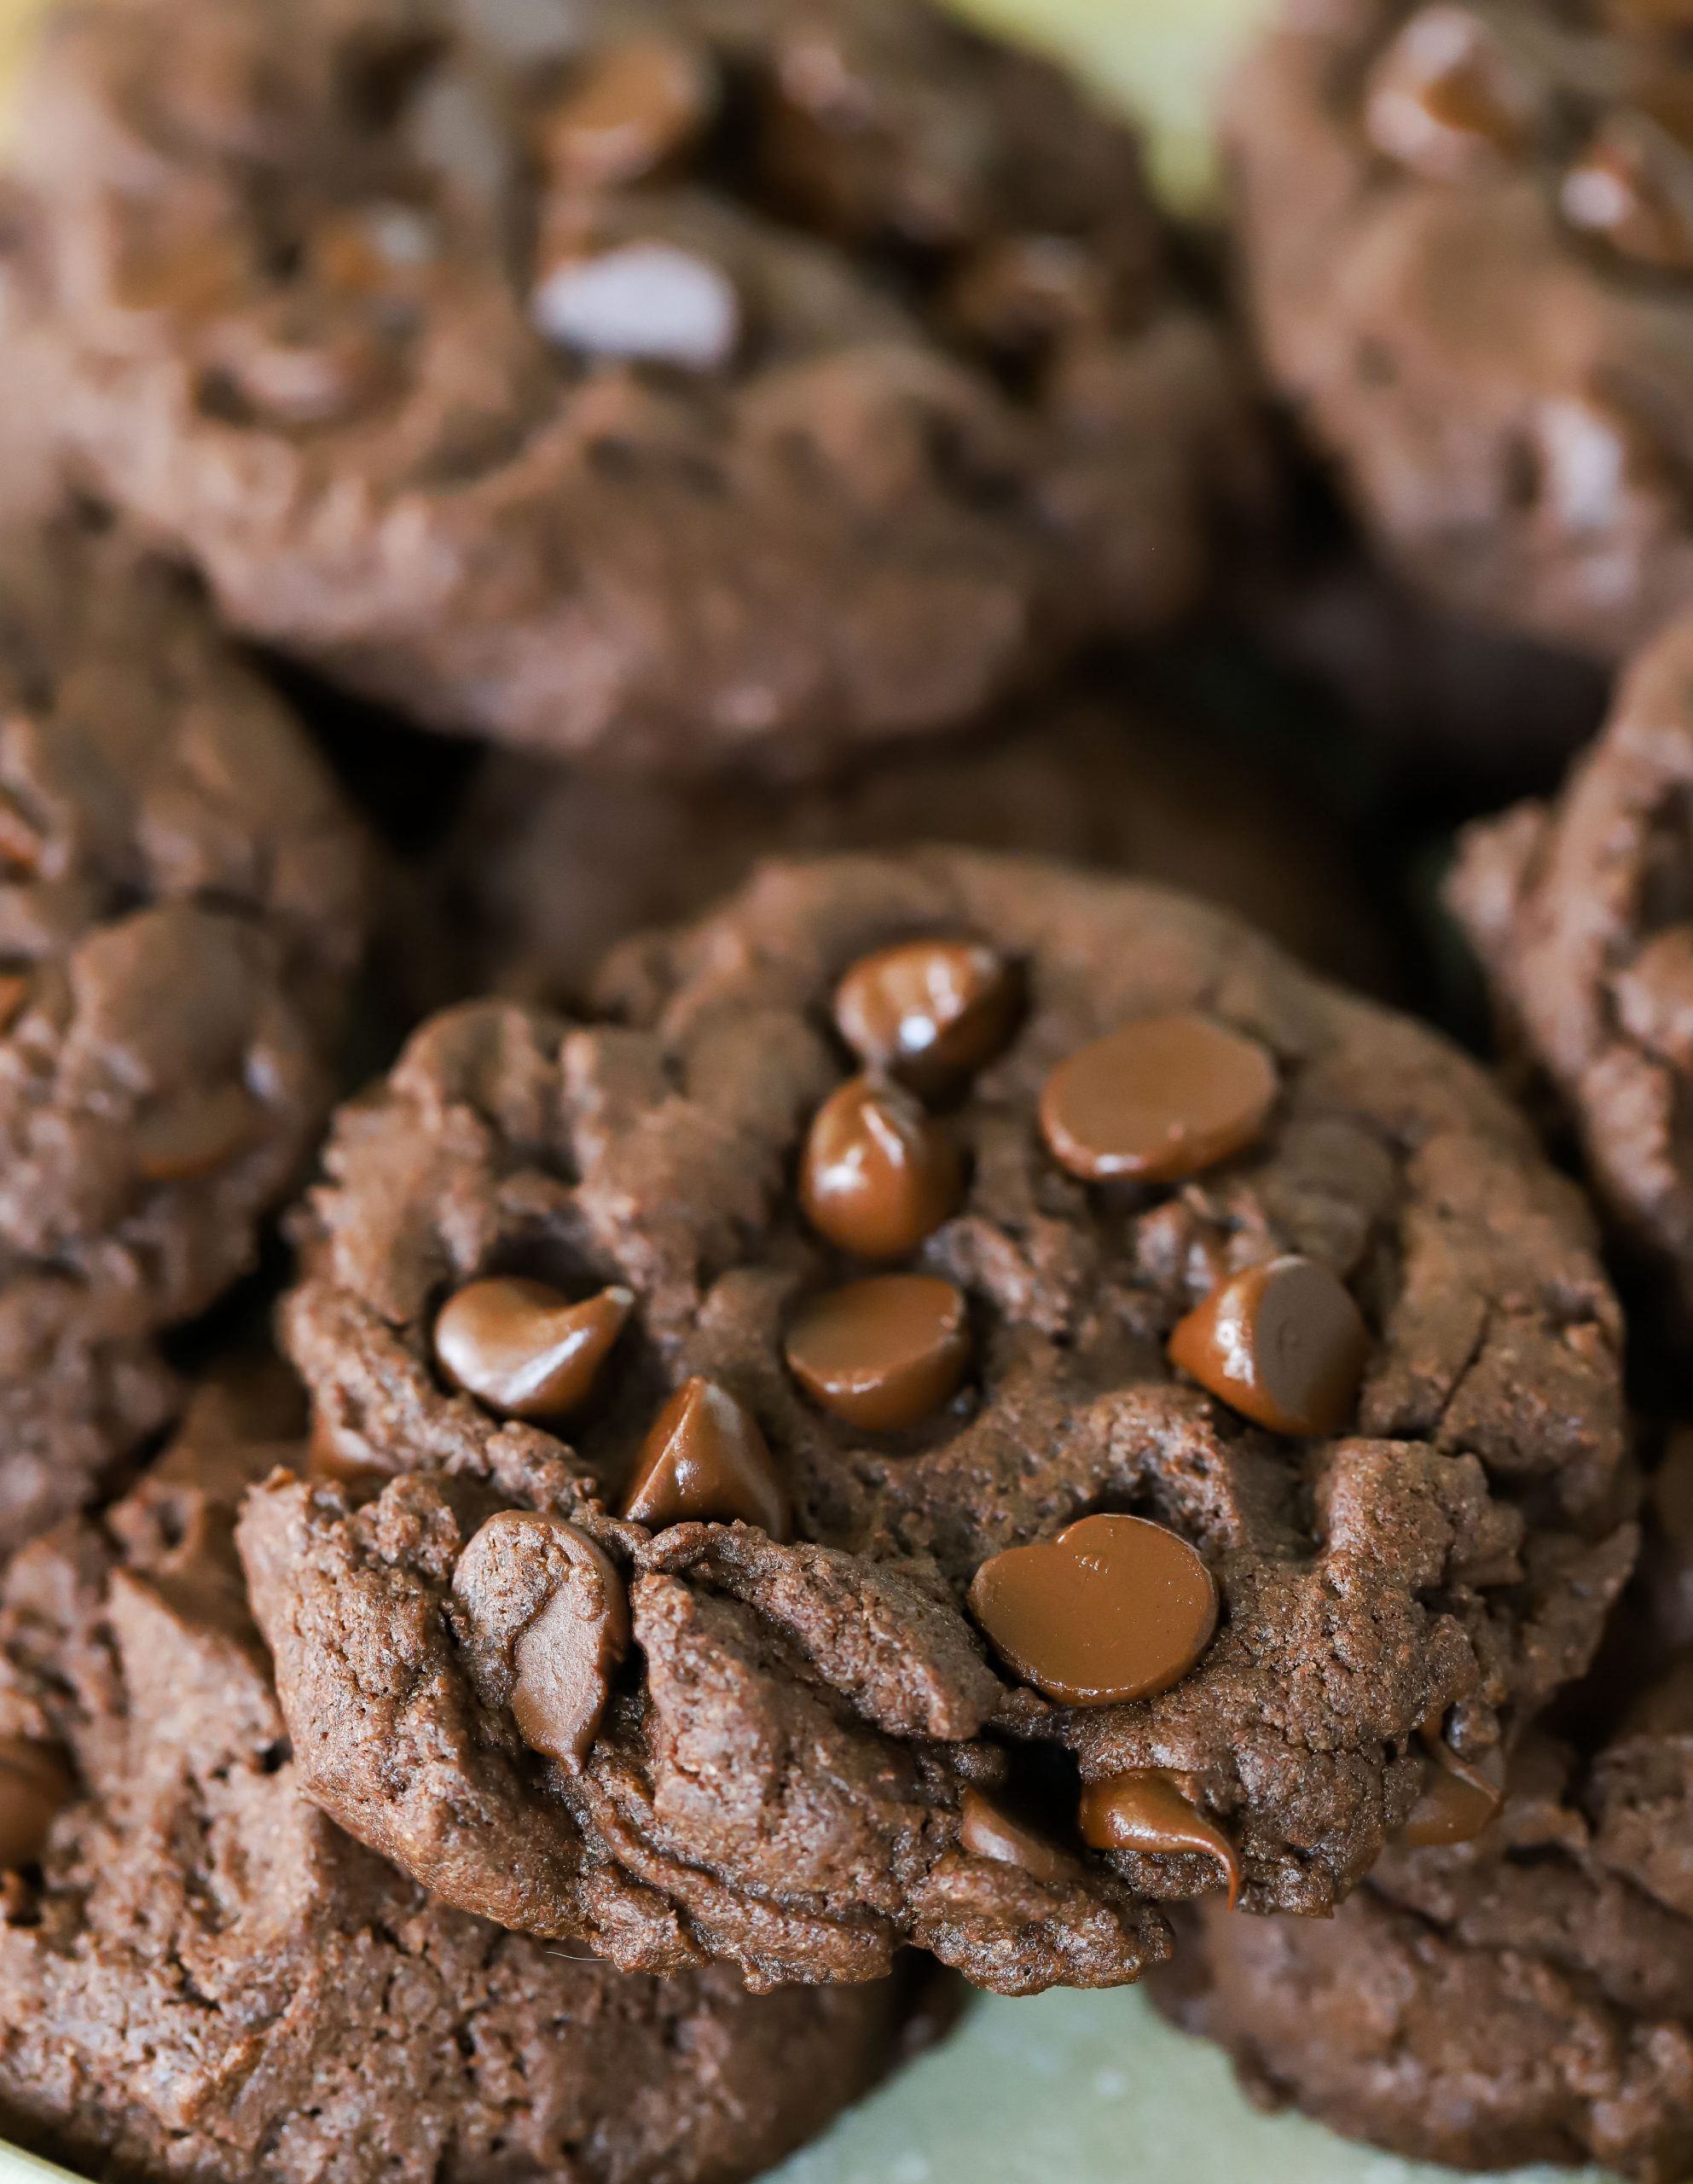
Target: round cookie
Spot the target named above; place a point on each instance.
(1467, 235)
(1581, 912)
(199, 1974)
(551, 867)
(680, 381)
(183, 905)
(646, 1640)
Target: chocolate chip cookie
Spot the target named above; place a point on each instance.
(200, 1975)
(1468, 233)
(182, 908)
(550, 866)
(680, 381)
(1581, 912)
(968, 1399)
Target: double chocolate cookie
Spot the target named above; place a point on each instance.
(1469, 233)
(969, 1399)
(688, 381)
(1581, 912)
(182, 904)
(201, 1977)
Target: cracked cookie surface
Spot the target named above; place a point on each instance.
(785, 1750)
(676, 381)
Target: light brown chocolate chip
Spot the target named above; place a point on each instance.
(884, 1353)
(197, 1134)
(706, 1461)
(878, 1175)
(1446, 96)
(1283, 1344)
(1632, 186)
(1113, 1608)
(548, 1615)
(1143, 1810)
(1460, 1800)
(374, 250)
(1158, 1101)
(13, 993)
(630, 107)
(524, 1348)
(988, 1831)
(21, 841)
(342, 1463)
(36, 1785)
(928, 1010)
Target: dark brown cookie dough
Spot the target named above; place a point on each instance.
(551, 867)
(202, 1977)
(1468, 233)
(676, 381)
(1581, 912)
(791, 1730)
(182, 902)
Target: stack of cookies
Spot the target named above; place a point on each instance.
(754, 1303)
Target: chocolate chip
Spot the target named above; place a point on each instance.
(629, 108)
(706, 1461)
(1143, 1810)
(13, 993)
(546, 1609)
(1458, 1801)
(374, 249)
(928, 1010)
(1632, 186)
(1283, 1344)
(1157, 1101)
(195, 1135)
(878, 1175)
(36, 1785)
(524, 1348)
(343, 1463)
(1113, 1608)
(646, 303)
(21, 841)
(883, 1353)
(987, 1831)
(1446, 96)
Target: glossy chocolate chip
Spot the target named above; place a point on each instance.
(1115, 1608)
(1283, 1344)
(629, 108)
(986, 1830)
(196, 1134)
(884, 1353)
(36, 1785)
(1143, 1810)
(928, 1010)
(877, 1173)
(548, 1603)
(706, 1461)
(524, 1348)
(1158, 1101)
(341, 1462)
(1632, 188)
(1460, 1799)
(1447, 98)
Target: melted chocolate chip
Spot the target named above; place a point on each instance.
(884, 1353)
(988, 1831)
(1446, 96)
(1283, 1344)
(196, 1136)
(1158, 1101)
(1113, 1608)
(36, 1785)
(525, 1350)
(706, 1461)
(1143, 1810)
(928, 1010)
(878, 1175)
(1458, 1801)
(631, 109)
(1632, 186)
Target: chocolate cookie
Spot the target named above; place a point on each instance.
(1466, 231)
(677, 379)
(550, 866)
(1581, 912)
(182, 908)
(199, 1975)
(955, 1344)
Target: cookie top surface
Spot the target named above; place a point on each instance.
(700, 380)
(1581, 909)
(201, 1973)
(619, 1231)
(1470, 233)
